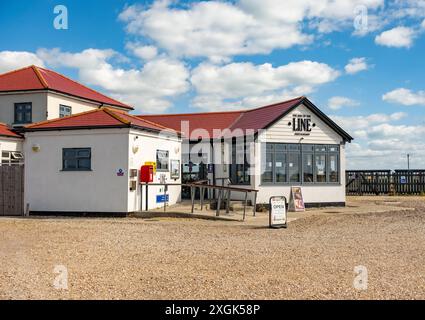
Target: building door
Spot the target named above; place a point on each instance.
(11, 190)
(192, 172)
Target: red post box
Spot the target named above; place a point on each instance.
(146, 174)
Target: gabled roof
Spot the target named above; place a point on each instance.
(6, 131)
(253, 119)
(34, 78)
(97, 118)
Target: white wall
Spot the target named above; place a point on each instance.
(7, 106)
(10, 144)
(45, 105)
(77, 105)
(320, 134)
(47, 188)
(147, 145)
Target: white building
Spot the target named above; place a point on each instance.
(84, 152)
(34, 94)
(89, 163)
(286, 144)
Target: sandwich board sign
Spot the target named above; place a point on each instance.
(296, 201)
(278, 217)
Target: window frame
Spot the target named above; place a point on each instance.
(311, 150)
(159, 164)
(64, 106)
(246, 167)
(76, 150)
(20, 104)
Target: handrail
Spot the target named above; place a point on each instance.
(221, 196)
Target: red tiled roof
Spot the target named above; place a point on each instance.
(36, 78)
(253, 119)
(206, 121)
(5, 131)
(98, 118)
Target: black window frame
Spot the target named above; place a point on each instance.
(17, 105)
(159, 164)
(65, 106)
(303, 151)
(76, 157)
(234, 166)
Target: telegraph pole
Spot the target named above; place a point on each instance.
(408, 161)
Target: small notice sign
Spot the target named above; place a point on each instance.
(161, 198)
(296, 202)
(278, 214)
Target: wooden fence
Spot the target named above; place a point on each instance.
(11, 190)
(366, 182)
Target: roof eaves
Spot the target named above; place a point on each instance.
(77, 128)
(33, 125)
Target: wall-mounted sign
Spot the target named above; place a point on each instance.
(403, 180)
(302, 124)
(175, 169)
(120, 173)
(151, 163)
(278, 217)
(161, 198)
(296, 202)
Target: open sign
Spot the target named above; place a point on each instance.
(278, 217)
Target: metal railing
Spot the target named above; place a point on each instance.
(224, 194)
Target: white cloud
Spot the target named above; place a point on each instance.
(423, 24)
(405, 97)
(381, 144)
(246, 84)
(354, 123)
(219, 30)
(356, 65)
(398, 37)
(149, 88)
(11, 60)
(143, 52)
(336, 103)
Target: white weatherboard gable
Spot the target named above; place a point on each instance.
(320, 134)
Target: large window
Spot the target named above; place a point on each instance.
(162, 160)
(64, 111)
(300, 164)
(239, 168)
(76, 159)
(23, 113)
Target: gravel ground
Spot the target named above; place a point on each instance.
(196, 259)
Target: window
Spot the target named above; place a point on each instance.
(308, 167)
(64, 111)
(267, 175)
(280, 166)
(23, 113)
(161, 160)
(76, 159)
(320, 168)
(239, 168)
(300, 164)
(11, 157)
(333, 168)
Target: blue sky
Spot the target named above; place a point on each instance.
(180, 56)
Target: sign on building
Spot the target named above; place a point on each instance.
(296, 201)
(278, 216)
(302, 124)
